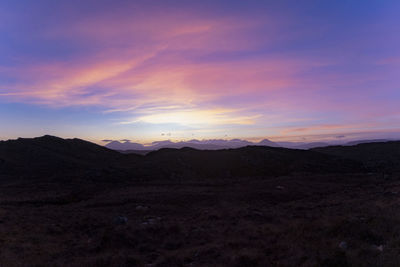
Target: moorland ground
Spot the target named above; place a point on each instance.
(308, 220)
(73, 203)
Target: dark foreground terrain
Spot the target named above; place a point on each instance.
(96, 207)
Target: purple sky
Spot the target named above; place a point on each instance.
(284, 70)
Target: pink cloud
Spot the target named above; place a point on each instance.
(152, 68)
(147, 70)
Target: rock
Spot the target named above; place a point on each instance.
(120, 220)
(142, 208)
(378, 248)
(343, 245)
(151, 220)
(258, 213)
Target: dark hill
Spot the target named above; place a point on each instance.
(50, 155)
(246, 161)
(356, 142)
(53, 156)
(376, 157)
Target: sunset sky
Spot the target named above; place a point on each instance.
(153, 70)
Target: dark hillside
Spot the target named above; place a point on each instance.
(376, 157)
(247, 161)
(50, 155)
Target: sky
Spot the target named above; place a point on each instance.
(147, 70)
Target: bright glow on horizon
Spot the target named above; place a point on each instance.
(215, 69)
(193, 118)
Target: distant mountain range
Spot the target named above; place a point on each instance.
(357, 142)
(216, 144)
(213, 144)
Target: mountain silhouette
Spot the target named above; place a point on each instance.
(52, 155)
(267, 142)
(216, 144)
(356, 142)
(211, 144)
(376, 156)
(127, 145)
